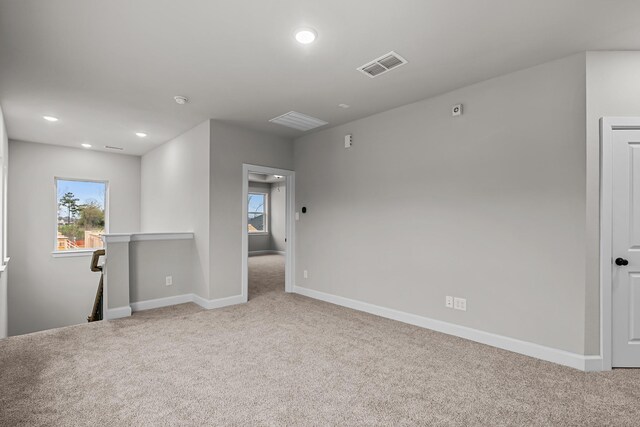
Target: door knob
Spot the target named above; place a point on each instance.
(621, 261)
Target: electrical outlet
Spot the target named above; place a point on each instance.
(168, 280)
(305, 274)
(460, 304)
(448, 302)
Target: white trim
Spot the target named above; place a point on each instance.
(592, 363)
(562, 357)
(116, 238)
(266, 252)
(290, 183)
(118, 313)
(66, 254)
(161, 302)
(140, 237)
(607, 126)
(219, 302)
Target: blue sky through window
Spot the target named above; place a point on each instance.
(84, 190)
(256, 202)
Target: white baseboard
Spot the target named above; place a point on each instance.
(184, 298)
(218, 303)
(118, 312)
(161, 302)
(562, 357)
(593, 364)
(269, 252)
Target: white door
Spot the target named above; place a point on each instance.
(626, 249)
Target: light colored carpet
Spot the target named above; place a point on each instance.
(289, 360)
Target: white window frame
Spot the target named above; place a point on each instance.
(78, 252)
(267, 217)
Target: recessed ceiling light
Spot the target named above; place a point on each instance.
(306, 35)
(86, 145)
(50, 118)
(141, 134)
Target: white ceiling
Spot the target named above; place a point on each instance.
(110, 68)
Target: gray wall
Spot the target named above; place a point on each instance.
(232, 146)
(613, 89)
(151, 261)
(489, 206)
(47, 292)
(278, 217)
(175, 195)
(117, 276)
(261, 242)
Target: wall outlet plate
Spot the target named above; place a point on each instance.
(460, 304)
(305, 274)
(448, 302)
(456, 110)
(348, 141)
(168, 281)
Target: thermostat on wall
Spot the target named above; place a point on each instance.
(456, 110)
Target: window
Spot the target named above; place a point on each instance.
(257, 207)
(81, 214)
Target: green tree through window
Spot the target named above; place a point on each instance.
(81, 215)
(70, 202)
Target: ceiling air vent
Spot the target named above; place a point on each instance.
(298, 121)
(383, 64)
(111, 147)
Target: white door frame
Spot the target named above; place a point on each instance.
(608, 125)
(290, 182)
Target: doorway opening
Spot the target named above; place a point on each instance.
(267, 230)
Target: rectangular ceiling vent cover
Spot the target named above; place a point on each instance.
(379, 66)
(298, 121)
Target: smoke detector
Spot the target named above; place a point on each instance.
(381, 65)
(181, 99)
